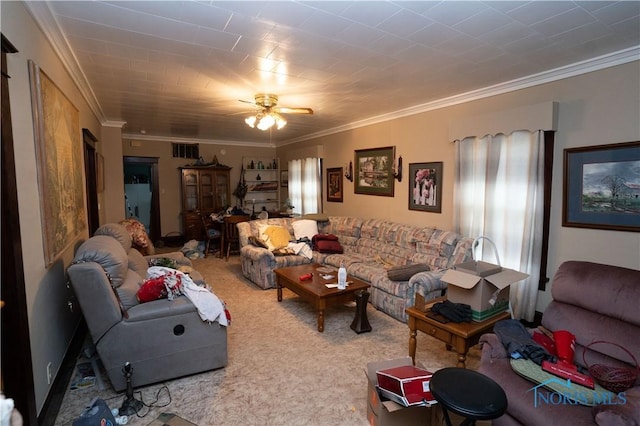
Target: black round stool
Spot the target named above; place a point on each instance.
(469, 394)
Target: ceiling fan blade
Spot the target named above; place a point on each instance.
(285, 110)
(248, 111)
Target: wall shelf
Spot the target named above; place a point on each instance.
(262, 175)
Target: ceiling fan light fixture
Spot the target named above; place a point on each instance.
(269, 115)
(266, 122)
(251, 121)
(280, 121)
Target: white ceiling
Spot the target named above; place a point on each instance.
(176, 69)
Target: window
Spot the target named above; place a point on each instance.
(502, 192)
(305, 185)
(186, 150)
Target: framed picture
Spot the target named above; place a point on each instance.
(284, 178)
(602, 187)
(425, 187)
(374, 171)
(334, 184)
(59, 155)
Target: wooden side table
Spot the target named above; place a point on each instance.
(459, 336)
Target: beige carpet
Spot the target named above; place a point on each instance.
(281, 370)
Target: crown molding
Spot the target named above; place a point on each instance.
(45, 19)
(594, 64)
(139, 137)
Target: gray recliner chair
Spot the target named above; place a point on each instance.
(162, 339)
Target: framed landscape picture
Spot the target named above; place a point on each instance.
(602, 187)
(334, 184)
(374, 171)
(425, 187)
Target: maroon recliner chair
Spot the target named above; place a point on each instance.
(595, 302)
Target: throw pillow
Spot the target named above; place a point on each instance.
(304, 228)
(139, 237)
(328, 246)
(258, 242)
(275, 236)
(404, 273)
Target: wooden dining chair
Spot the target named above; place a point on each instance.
(212, 235)
(231, 237)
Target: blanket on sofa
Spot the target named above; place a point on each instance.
(209, 306)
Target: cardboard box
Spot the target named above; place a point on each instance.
(483, 286)
(384, 412)
(406, 384)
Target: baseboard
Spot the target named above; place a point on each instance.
(52, 404)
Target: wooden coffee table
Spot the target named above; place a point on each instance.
(321, 297)
(459, 336)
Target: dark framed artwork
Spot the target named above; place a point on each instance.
(373, 171)
(602, 187)
(59, 155)
(284, 178)
(425, 187)
(334, 184)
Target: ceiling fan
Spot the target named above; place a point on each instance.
(269, 113)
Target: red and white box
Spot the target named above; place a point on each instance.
(407, 385)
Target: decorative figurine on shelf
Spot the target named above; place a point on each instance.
(288, 207)
(275, 164)
(215, 162)
(258, 177)
(252, 165)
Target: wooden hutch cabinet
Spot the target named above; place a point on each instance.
(205, 190)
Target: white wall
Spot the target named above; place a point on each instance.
(51, 323)
(596, 108)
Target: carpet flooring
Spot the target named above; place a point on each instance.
(281, 370)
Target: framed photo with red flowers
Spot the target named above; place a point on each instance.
(425, 187)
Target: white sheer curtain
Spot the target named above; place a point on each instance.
(499, 194)
(305, 185)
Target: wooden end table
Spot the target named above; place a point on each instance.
(316, 292)
(459, 336)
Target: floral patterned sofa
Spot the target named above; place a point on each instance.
(371, 247)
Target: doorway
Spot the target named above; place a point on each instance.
(141, 193)
(93, 215)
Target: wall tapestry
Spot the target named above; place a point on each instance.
(56, 123)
